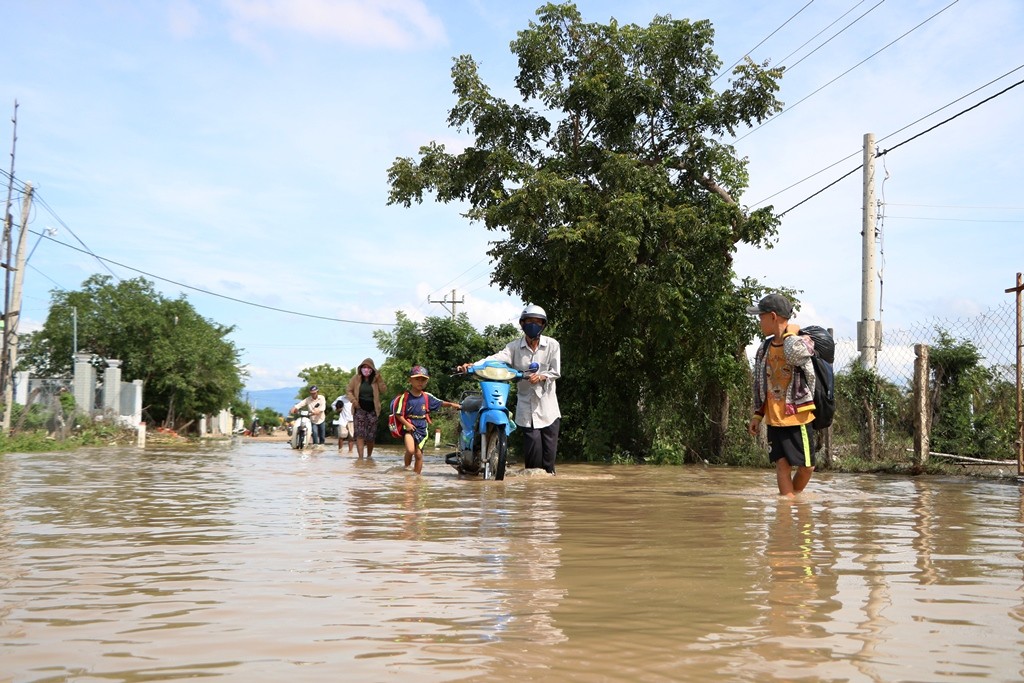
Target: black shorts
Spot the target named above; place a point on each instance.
(795, 444)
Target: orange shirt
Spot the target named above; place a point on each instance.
(780, 374)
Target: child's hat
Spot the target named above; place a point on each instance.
(419, 371)
(773, 303)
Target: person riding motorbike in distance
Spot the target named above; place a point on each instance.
(539, 357)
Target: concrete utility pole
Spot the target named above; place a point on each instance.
(14, 312)
(5, 247)
(869, 330)
(445, 301)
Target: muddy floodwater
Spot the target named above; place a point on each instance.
(254, 563)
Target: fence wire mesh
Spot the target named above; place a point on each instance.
(975, 418)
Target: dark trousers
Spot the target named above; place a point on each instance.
(318, 432)
(541, 445)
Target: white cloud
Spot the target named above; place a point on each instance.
(396, 24)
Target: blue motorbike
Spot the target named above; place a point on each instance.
(486, 422)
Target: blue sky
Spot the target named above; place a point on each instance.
(241, 147)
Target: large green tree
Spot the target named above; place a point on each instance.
(187, 364)
(618, 207)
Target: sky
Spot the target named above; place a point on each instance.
(236, 152)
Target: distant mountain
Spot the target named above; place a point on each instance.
(280, 400)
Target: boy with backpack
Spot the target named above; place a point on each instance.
(784, 390)
(410, 413)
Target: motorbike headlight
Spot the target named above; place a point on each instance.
(496, 374)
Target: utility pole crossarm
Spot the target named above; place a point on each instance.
(446, 301)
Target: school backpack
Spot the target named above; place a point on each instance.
(824, 376)
(400, 407)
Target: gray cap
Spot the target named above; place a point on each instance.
(773, 303)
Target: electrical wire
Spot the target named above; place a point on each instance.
(41, 201)
(955, 220)
(889, 135)
(910, 139)
(954, 116)
(836, 35)
(762, 42)
(855, 66)
(215, 294)
(809, 40)
(950, 104)
(960, 206)
(834, 182)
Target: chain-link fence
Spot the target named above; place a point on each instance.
(972, 389)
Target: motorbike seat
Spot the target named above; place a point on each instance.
(472, 403)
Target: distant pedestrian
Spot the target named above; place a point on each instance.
(317, 405)
(346, 430)
(365, 390)
(783, 397)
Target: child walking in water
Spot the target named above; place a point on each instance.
(414, 415)
(784, 397)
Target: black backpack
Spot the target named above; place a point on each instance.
(824, 377)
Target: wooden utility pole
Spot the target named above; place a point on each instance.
(1020, 362)
(445, 301)
(868, 329)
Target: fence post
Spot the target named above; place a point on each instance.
(922, 426)
(85, 384)
(1018, 290)
(112, 388)
(21, 387)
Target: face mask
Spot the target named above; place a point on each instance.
(366, 371)
(532, 330)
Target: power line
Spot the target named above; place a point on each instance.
(836, 35)
(914, 137)
(834, 182)
(762, 42)
(445, 286)
(960, 206)
(954, 116)
(858, 64)
(950, 104)
(67, 227)
(889, 135)
(956, 220)
(206, 291)
(804, 180)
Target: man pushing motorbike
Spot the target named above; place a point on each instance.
(540, 359)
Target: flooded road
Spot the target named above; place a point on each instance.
(249, 562)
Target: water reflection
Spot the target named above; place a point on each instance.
(254, 563)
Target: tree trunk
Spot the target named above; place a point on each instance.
(718, 402)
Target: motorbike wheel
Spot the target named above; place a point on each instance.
(497, 453)
(300, 441)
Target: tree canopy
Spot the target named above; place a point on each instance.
(618, 207)
(187, 364)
